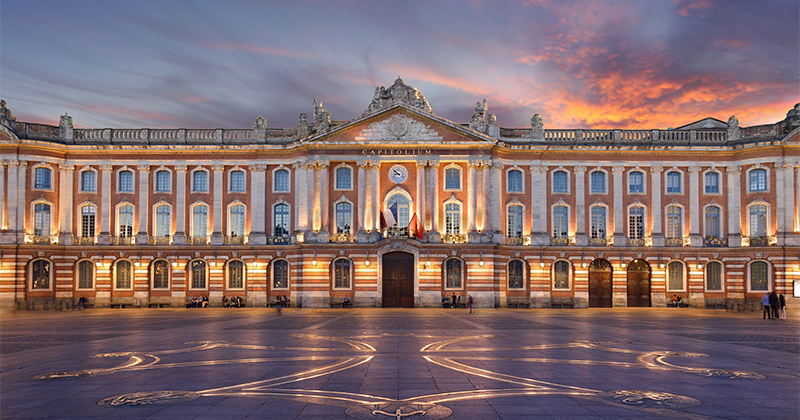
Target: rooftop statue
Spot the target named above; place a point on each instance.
(5, 113)
(478, 120)
(792, 120)
(398, 92)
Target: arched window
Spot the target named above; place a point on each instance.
(40, 275)
(125, 181)
(200, 181)
(341, 274)
(237, 181)
(200, 221)
(123, 275)
(41, 219)
(280, 274)
(674, 222)
(636, 182)
(516, 274)
(514, 225)
(453, 274)
(43, 178)
(561, 271)
(282, 180)
(344, 178)
(598, 229)
(712, 222)
(673, 182)
(515, 181)
(88, 220)
(598, 182)
(452, 218)
(160, 274)
(711, 181)
(344, 216)
(237, 220)
(403, 213)
(235, 274)
(85, 274)
(758, 221)
(560, 182)
(163, 181)
(636, 222)
(88, 181)
(758, 180)
(198, 274)
(125, 220)
(163, 221)
(560, 221)
(758, 276)
(675, 276)
(281, 220)
(452, 178)
(714, 276)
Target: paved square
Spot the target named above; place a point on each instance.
(662, 363)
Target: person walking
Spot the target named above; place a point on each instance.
(783, 306)
(775, 304)
(469, 302)
(767, 309)
(455, 305)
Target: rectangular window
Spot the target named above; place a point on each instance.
(344, 215)
(598, 182)
(560, 182)
(758, 221)
(560, 222)
(674, 222)
(514, 222)
(561, 275)
(235, 275)
(714, 276)
(43, 179)
(452, 219)
(125, 181)
(598, 222)
(163, 221)
(516, 274)
(282, 220)
(515, 181)
(282, 180)
(341, 274)
(343, 179)
(41, 223)
(758, 180)
(675, 274)
(452, 179)
(712, 183)
(200, 222)
(126, 221)
(88, 181)
(452, 274)
(636, 223)
(85, 275)
(237, 181)
(636, 182)
(200, 181)
(237, 220)
(712, 222)
(758, 276)
(280, 274)
(163, 181)
(87, 221)
(674, 182)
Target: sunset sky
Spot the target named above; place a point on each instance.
(590, 64)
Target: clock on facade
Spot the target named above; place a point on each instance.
(398, 174)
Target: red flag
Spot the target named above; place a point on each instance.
(415, 227)
(383, 222)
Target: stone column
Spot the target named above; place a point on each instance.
(180, 205)
(420, 198)
(4, 197)
(313, 194)
(362, 201)
(65, 203)
(695, 236)
(376, 193)
(495, 183)
(435, 202)
(369, 199)
(258, 190)
(324, 196)
(791, 207)
(13, 192)
(144, 205)
(619, 214)
(655, 191)
(472, 192)
(734, 206)
(300, 196)
(105, 206)
(480, 200)
(22, 211)
(580, 207)
(219, 181)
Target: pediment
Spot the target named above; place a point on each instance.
(398, 127)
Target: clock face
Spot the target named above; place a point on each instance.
(398, 174)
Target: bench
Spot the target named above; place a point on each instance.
(517, 302)
(275, 304)
(562, 303)
(120, 305)
(337, 303)
(157, 305)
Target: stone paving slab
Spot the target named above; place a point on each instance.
(635, 363)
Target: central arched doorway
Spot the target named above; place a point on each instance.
(639, 284)
(398, 280)
(600, 284)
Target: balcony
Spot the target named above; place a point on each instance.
(234, 240)
(159, 240)
(123, 240)
(396, 232)
(198, 240)
(278, 240)
(515, 240)
(454, 238)
(673, 242)
(601, 241)
(84, 240)
(343, 238)
(715, 242)
(760, 241)
(41, 239)
(562, 240)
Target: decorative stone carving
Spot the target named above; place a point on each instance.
(733, 122)
(302, 126)
(537, 127)
(261, 123)
(478, 120)
(398, 127)
(792, 120)
(322, 118)
(5, 113)
(65, 121)
(492, 128)
(398, 92)
(733, 128)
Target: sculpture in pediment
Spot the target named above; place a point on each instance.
(398, 92)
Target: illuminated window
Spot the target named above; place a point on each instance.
(341, 274)
(161, 274)
(123, 275)
(636, 222)
(516, 274)
(403, 212)
(758, 277)
(712, 222)
(125, 220)
(560, 221)
(237, 220)
(452, 218)
(758, 180)
(674, 222)
(714, 276)
(88, 219)
(199, 221)
(598, 228)
(561, 275)
(281, 220)
(514, 226)
(758, 221)
(198, 274)
(235, 274)
(452, 273)
(280, 274)
(40, 275)
(41, 219)
(344, 216)
(163, 221)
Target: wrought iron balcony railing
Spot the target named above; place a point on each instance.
(454, 238)
(562, 240)
(278, 240)
(159, 240)
(197, 240)
(715, 242)
(599, 242)
(234, 240)
(673, 242)
(343, 238)
(515, 240)
(84, 240)
(123, 240)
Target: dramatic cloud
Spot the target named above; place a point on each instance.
(582, 63)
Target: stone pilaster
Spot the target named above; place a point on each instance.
(258, 181)
(539, 210)
(324, 195)
(420, 193)
(436, 205)
(734, 206)
(66, 174)
(21, 200)
(104, 238)
(180, 205)
(472, 196)
(361, 220)
(619, 214)
(300, 197)
(580, 206)
(144, 206)
(655, 191)
(219, 182)
(695, 237)
(495, 183)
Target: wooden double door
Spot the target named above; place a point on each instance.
(600, 284)
(398, 280)
(639, 284)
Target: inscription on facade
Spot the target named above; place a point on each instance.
(396, 152)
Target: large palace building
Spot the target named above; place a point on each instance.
(399, 207)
